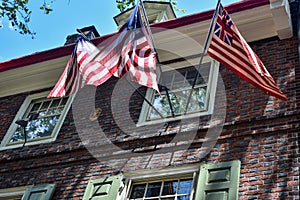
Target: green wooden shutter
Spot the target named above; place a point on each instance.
(103, 189)
(218, 181)
(43, 192)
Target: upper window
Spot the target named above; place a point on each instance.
(178, 83)
(38, 120)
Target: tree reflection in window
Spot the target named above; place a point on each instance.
(49, 111)
(179, 84)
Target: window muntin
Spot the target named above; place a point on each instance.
(179, 82)
(48, 110)
(179, 189)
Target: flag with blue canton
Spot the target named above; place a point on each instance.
(129, 53)
(228, 47)
(134, 21)
(223, 27)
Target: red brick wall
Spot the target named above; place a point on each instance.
(260, 131)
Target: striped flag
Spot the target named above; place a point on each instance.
(229, 48)
(127, 53)
(130, 53)
(79, 73)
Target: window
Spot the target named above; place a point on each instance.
(179, 83)
(212, 181)
(38, 120)
(167, 189)
(175, 183)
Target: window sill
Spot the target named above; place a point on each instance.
(28, 143)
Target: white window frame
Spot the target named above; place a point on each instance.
(22, 111)
(169, 173)
(211, 88)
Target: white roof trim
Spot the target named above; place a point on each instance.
(282, 18)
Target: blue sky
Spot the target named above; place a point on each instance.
(68, 15)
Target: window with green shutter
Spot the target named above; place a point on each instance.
(103, 189)
(218, 181)
(43, 192)
(213, 182)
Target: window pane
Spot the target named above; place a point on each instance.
(138, 191)
(45, 105)
(170, 187)
(55, 103)
(185, 186)
(18, 135)
(38, 128)
(35, 107)
(179, 100)
(41, 127)
(64, 101)
(179, 83)
(153, 189)
(198, 99)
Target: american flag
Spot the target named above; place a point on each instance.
(130, 53)
(77, 72)
(229, 48)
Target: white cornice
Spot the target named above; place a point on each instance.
(282, 18)
(33, 77)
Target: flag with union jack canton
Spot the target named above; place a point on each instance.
(229, 48)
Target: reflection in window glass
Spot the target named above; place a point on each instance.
(178, 189)
(185, 186)
(153, 189)
(179, 84)
(48, 111)
(170, 187)
(138, 191)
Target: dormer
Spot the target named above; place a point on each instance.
(157, 11)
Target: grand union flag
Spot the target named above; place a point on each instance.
(229, 48)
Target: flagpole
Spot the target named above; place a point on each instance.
(148, 28)
(208, 38)
(157, 58)
(83, 35)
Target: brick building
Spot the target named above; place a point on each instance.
(106, 142)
